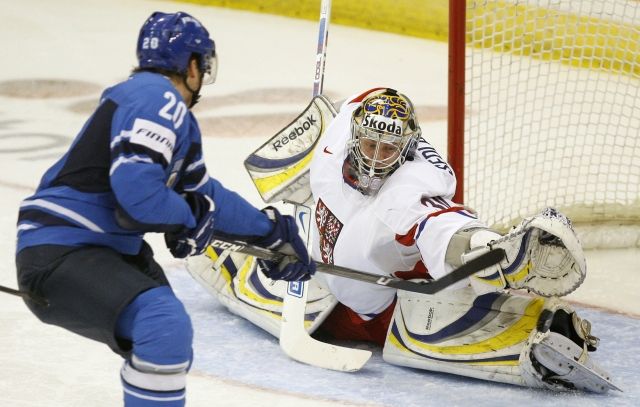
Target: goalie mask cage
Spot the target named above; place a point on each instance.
(544, 110)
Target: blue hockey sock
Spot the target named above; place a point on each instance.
(160, 330)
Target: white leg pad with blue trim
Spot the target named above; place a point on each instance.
(487, 337)
(456, 332)
(235, 280)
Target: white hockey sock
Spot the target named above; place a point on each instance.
(150, 389)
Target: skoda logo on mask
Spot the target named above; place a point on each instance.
(382, 124)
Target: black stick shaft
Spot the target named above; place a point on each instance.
(483, 261)
(26, 295)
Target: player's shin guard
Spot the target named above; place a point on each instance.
(161, 332)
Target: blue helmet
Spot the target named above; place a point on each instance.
(168, 40)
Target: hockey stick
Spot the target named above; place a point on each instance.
(280, 167)
(481, 262)
(28, 296)
(280, 171)
(295, 341)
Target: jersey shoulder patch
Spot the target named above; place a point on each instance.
(153, 136)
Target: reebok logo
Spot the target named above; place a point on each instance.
(297, 129)
(429, 319)
(381, 123)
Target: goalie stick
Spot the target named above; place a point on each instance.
(481, 262)
(280, 171)
(295, 341)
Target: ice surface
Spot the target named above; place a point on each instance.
(57, 42)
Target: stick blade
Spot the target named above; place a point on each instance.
(327, 356)
(296, 343)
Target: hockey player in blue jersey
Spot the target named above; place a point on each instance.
(137, 166)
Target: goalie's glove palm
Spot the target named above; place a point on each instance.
(544, 255)
(297, 264)
(190, 242)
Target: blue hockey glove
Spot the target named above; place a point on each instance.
(297, 265)
(190, 242)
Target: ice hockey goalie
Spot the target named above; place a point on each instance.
(383, 204)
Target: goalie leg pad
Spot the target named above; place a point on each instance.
(235, 280)
(457, 332)
(502, 337)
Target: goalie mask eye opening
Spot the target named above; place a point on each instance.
(378, 154)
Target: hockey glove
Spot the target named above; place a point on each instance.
(544, 256)
(189, 242)
(297, 264)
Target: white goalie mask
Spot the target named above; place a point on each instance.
(384, 134)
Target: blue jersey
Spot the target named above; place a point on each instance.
(124, 175)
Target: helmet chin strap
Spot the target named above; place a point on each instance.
(195, 93)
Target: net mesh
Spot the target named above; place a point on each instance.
(553, 110)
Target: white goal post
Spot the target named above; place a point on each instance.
(544, 110)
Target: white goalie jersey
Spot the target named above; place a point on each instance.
(405, 226)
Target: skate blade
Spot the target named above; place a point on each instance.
(581, 376)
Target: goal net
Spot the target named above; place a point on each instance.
(545, 111)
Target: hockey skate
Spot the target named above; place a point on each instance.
(559, 354)
(543, 255)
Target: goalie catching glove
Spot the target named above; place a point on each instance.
(190, 242)
(543, 255)
(297, 264)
